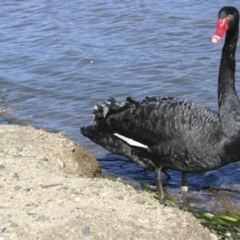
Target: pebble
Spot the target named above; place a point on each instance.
(32, 213)
(2, 167)
(50, 185)
(17, 187)
(72, 195)
(40, 132)
(61, 163)
(42, 218)
(86, 230)
(77, 199)
(120, 197)
(15, 175)
(77, 191)
(14, 225)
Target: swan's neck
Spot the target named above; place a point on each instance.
(229, 107)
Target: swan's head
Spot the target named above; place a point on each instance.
(228, 18)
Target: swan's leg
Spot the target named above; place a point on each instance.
(184, 183)
(159, 186)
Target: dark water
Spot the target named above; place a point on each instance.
(59, 58)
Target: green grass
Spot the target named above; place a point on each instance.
(226, 226)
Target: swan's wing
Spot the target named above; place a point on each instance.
(156, 120)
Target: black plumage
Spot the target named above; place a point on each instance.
(117, 146)
(175, 133)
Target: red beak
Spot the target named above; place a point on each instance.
(222, 26)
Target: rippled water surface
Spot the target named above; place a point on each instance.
(59, 58)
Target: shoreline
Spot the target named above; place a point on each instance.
(48, 192)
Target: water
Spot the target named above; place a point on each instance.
(59, 58)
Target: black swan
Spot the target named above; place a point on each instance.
(168, 133)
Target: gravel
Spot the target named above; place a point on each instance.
(51, 188)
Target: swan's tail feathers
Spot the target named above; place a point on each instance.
(117, 146)
(104, 139)
(111, 105)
